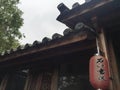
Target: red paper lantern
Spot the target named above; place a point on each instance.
(99, 72)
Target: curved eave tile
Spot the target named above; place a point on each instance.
(70, 36)
(56, 36)
(78, 12)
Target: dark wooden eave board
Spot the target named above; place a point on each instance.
(47, 55)
(110, 21)
(85, 15)
(82, 9)
(45, 46)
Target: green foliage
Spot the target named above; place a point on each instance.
(10, 22)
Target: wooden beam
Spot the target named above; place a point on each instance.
(87, 10)
(50, 45)
(51, 53)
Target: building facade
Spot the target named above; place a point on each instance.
(62, 63)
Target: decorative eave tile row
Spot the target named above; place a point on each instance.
(83, 12)
(80, 28)
(34, 44)
(37, 43)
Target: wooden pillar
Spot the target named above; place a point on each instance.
(28, 82)
(103, 45)
(4, 82)
(33, 81)
(54, 81)
(106, 47)
(113, 65)
(104, 50)
(42, 80)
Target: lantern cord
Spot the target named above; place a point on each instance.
(97, 43)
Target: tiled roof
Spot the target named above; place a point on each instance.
(67, 33)
(65, 16)
(77, 31)
(84, 11)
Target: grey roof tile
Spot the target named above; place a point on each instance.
(21, 47)
(46, 39)
(63, 8)
(27, 46)
(84, 11)
(75, 5)
(36, 43)
(64, 12)
(67, 31)
(56, 36)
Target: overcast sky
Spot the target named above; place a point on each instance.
(40, 18)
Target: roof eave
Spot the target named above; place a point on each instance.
(79, 14)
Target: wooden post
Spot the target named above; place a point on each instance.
(108, 51)
(41, 80)
(102, 45)
(113, 65)
(4, 82)
(104, 49)
(33, 82)
(28, 82)
(54, 80)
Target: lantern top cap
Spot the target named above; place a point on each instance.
(97, 54)
(99, 89)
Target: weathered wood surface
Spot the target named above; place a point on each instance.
(4, 82)
(46, 46)
(39, 80)
(107, 50)
(66, 46)
(54, 81)
(102, 44)
(113, 65)
(90, 9)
